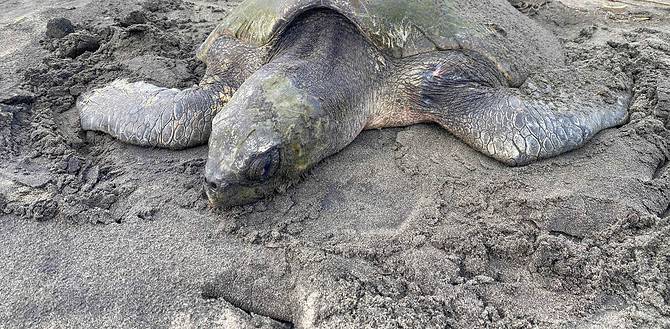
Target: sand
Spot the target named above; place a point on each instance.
(406, 228)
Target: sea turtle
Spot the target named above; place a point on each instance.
(289, 83)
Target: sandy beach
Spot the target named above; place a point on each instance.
(405, 228)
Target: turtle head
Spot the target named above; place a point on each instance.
(241, 170)
(266, 137)
(304, 104)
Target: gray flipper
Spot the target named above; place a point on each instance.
(143, 114)
(543, 118)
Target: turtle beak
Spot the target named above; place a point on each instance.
(225, 195)
(213, 193)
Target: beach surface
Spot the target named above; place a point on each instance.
(405, 228)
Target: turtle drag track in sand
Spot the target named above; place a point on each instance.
(406, 228)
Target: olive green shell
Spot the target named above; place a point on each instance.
(405, 28)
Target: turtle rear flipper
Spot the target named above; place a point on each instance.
(550, 114)
(143, 114)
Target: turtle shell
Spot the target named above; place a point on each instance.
(402, 29)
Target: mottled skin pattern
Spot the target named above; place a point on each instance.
(290, 83)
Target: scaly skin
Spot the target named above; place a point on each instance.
(146, 115)
(466, 94)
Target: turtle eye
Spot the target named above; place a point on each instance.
(264, 166)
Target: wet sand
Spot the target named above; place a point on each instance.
(406, 228)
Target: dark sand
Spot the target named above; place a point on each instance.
(406, 228)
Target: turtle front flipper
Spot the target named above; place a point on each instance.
(549, 114)
(143, 114)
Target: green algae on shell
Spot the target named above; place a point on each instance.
(407, 28)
